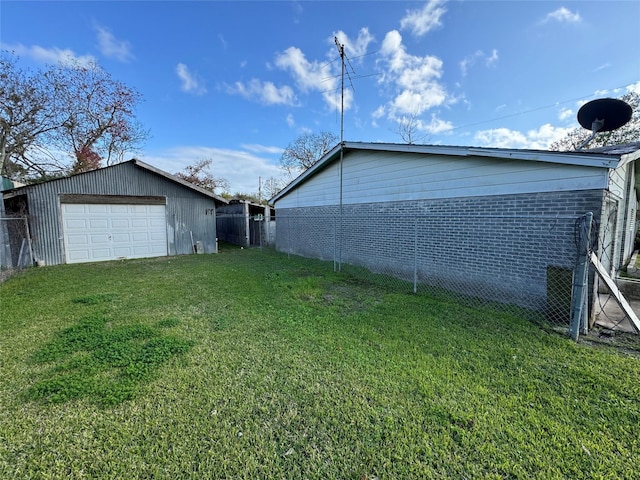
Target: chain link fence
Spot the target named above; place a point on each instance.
(525, 265)
(15, 245)
(610, 319)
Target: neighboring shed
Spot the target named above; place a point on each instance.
(247, 224)
(491, 222)
(127, 210)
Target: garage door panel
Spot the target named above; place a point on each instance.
(97, 209)
(120, 223)
(98, 239)
(140, 223)
(156, 250)
(78, 256)
(75, 224)
(77, 240)
(122, 252)
(143, 237)
(70, 209)
(142, 250)
(119, 209)
(98, 223)
(121, 238)
(97, 232)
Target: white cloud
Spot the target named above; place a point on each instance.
(492, 59)
(313, 77)
(438, 125)
(264, 92)
(604, 66)
(223, 42)
(424, 20)
(291, 122)
(308, 75)
(255, 148)
(111, 47)
(470, 60)
(190, 81)
(354, 48)
(51, 55)
(241, 168)
(539, 139)
(634, 87)
(413, 78)
(565, 114)
(563, 15)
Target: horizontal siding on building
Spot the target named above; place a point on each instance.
(386, 176)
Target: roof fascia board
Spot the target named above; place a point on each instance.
(565, 158)
(629, 157)
(326, 159)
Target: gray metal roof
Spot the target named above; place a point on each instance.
(138, 164)
(608, 158)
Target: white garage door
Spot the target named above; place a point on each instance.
(98, 232)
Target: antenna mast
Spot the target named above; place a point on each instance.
(339, 235)
(341, 51)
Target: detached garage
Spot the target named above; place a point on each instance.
(128, 210)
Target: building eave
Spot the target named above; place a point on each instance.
(582, 158)
(137, 163)
(174, 178)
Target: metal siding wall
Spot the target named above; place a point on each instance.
(188, 208)
(191, 218)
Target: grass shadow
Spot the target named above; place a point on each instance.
(95, 359)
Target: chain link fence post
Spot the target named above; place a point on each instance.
(579, 301)
(415, 255)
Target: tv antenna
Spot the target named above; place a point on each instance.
(603, 115)
(341, 51)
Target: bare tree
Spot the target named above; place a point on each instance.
(97, 122)
(305, 151)
(628, 133)
(409, 128)
(26, 116)
(272, 186)
(66, 111)
(200, 175)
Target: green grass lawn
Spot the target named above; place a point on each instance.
(249, 364)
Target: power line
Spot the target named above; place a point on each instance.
(524, 112)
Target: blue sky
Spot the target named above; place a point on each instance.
(236, 82)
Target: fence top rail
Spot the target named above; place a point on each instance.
(428, 215)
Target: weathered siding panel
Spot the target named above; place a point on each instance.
(188, 212)
(387, 176)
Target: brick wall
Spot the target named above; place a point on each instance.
(498, 248)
